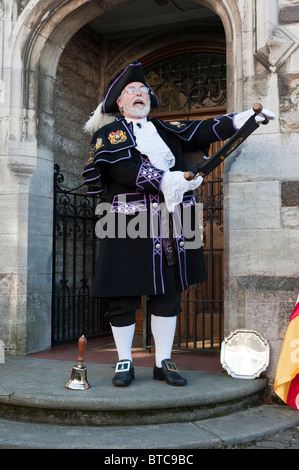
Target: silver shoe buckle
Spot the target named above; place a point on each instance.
(123, 366)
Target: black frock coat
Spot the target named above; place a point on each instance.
(135, 265)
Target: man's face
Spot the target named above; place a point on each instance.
(135, 104)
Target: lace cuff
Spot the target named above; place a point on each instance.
(174, 186)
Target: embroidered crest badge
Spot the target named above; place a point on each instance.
(91, 155)
(89, 161)
(117, 137)
(177, 124)
(99, 143)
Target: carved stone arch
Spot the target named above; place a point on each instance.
(229, 13)
(210, 44)
(44, 28)
(37, 38)
(41, 33)
(146, 48)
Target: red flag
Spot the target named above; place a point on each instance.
(286, 384)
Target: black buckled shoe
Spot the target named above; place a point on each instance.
(124, 373)
(169, 373)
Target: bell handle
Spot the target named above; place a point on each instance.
(82, 344)
(189, 176)
(258, 108)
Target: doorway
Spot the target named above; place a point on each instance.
(191, 85)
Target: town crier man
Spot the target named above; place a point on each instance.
(138, 163)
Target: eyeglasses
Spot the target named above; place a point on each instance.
(132, 89)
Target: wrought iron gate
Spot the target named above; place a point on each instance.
(201, 323)
(75, 249)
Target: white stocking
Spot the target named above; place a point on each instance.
(163, 329)
(123, 338)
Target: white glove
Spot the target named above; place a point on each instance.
(241, 118)
(174, 185)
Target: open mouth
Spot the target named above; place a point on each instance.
(139, 108)
(139, 102)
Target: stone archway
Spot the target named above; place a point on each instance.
(37, 39)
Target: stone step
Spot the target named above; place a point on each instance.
(33, 390)
(237, 428)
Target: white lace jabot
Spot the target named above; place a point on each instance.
(149, 143)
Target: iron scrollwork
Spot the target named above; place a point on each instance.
(75, 248)
(189, 81)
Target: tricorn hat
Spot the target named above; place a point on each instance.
(132, 73)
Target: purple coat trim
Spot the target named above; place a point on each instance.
(157, 241)
(113, 151)
(149, 176)
(94, 192)
(184, 129)
(92, 179)
(129, 203)
(218, 120)
(87, 170)
(214, 128)
(180, 242)
(192, 132)
(126, 157)
(129, 129)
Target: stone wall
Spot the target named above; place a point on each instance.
(261, 189)
(77, 93)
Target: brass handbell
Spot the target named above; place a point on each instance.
(78, 380)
